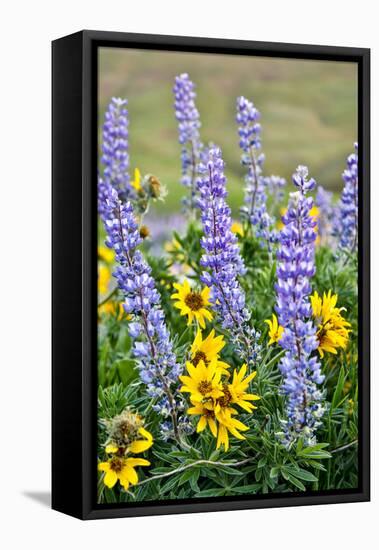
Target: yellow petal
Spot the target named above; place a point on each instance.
(110, 479)
(201, 425)
(111, 448)
(103, 466)
(146, 434)
(140, 446)
(137, 462)
(130, 474)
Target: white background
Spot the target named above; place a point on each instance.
(27, 29)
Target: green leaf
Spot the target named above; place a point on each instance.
(296, 482)
(301, 474)
(126, 370)
(339, 388)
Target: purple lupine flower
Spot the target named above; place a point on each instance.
(346, 226)
(221, 257)
(188, 119)
(254, 211)
(275, 187)
(115, 156)
(152, 347)
(324, 202)
(300, 370)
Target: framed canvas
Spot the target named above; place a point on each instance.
(210, 274)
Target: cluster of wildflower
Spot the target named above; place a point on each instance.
(254, 210)
(346, 226)
(222, 257)
(188, 119)
(153, 348)
(126, 436)
(115, 156)
(301, 370)
(326, 214)
(214, 396)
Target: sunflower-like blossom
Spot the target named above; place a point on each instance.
(126, 436)
(275, 331)
(192, 303)
(153, 348)
(238, 386)
(300, 369)
(208, 350)
(203, 381)
(214, 398)
(255, 210)
(332, 328)
(222, 259)
(188, 119)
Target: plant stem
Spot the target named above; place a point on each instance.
(191, 465)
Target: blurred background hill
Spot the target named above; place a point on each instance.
(308, 108)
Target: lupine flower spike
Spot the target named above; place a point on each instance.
(153, 348)
(346, 227)
(300, 369)
(221, 258)
(188, 119)
(254, 211)
(115, 157)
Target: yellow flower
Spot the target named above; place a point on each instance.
(238, 387)
(114, 308)
(192, 303)
(105, 254)
(173, 246)
(136, 183)
(237, 228)
(228, 424)
(103, 279)
(208, 350)
(207, 416)
(136, 446)
(332, 329)
(126, 435)
(121, 469)
(275, 330)
(203, 381)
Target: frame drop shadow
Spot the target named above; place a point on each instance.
(42, 497)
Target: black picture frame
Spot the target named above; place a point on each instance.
(74, 294)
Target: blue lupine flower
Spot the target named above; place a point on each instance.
(221, 257)
(115, 156)
(157, 362)
(275, 187)
(346, 226)
(254, 210)
(324, 203)
(300, 370)
(188, 119)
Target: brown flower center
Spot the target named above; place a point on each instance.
(116, 464)
(226, 398)
(204, 387)
(199, 356)
(194, 301)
